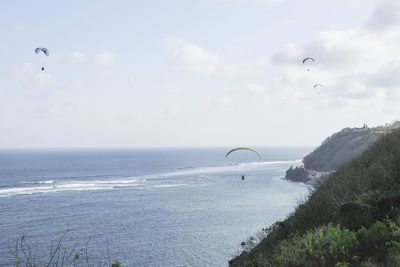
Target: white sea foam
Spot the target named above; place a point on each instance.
(147, 182)
(46, 182)
(128, 181)
(236, 167)
(168, 185)
(68, 186)
(4, 192)
(297, 161)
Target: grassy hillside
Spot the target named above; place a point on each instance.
(352, 219)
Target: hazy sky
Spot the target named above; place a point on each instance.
(195, 73)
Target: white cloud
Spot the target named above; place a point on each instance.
(21, 72)
(198, 60)
(268, 2)
(171, 111)
(78, 57)
(359, 64)
(16, 28)
(104, 58)
(43, 80)
(29, 76)
(289, 54)
(258, 2)
(191, 57)
(227, 81)
(386, 16)
(222, 101)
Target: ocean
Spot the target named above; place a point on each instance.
(145, 207)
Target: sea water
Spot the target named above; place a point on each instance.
(153, 207)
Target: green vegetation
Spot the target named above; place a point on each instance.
(327, 245)
(25, 254)
(352, 219)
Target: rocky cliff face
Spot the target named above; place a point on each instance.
(337, 150)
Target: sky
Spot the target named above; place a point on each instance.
(203, 73)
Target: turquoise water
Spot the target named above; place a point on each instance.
(171, 207)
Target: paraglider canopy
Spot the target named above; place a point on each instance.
(42, 49)
(318, 84)
(242, 148)
(307, 59)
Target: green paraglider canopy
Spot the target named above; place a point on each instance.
(242, 148)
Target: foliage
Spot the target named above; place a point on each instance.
(359, 197)
(59, 256)
(116, 264)
(379, 240)
(327, 246)
(354, 215)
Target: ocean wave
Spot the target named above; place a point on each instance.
(162, 180)
(273, 162)
(127, 181)
(168, 185)
(232, 167)
(46, 182)
(23, 190)
(39, 187)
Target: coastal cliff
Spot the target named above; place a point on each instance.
(351, 219)
(336, 150)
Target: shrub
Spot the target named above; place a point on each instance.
(25, 255)
(372, 183)
(379, 241)
(116, 264)
(353, 215)
(326, 246)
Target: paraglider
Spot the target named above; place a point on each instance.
(242, 148)
(318, 85)
(308, 59)
(245, 149)
(43, 50)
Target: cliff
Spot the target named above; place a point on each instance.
(352, 219)
(336, 150)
